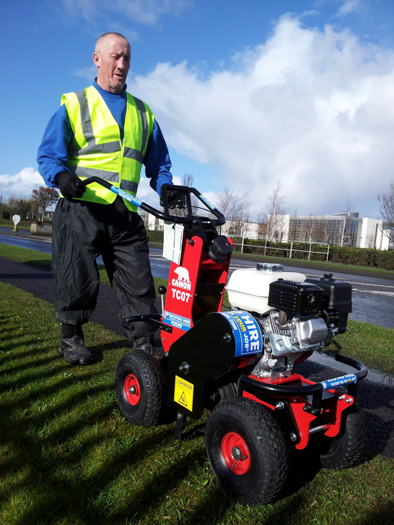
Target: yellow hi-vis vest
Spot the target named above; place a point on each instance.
(96, 147)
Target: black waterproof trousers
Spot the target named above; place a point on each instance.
(81, 232)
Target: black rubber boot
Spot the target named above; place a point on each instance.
(146, 343)
(72, 346)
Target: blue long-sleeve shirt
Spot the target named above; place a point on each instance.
(52, 154)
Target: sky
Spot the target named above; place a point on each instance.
(246, 92)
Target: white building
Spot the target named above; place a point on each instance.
(341, 229)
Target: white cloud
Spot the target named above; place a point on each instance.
(349, 6)
(89, 73)
(21, 184)
(308, 107)
(145, 12)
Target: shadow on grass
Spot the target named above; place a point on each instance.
(78, 500)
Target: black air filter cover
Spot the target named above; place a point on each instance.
(337, 294)
(295, 298)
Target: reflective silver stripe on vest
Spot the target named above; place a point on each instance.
(129, 185)
(86, 121)
(142, 111)
(134, 154)
(108, 147)
(87, 130)
(111, 176)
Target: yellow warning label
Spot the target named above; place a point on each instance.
(183, 393)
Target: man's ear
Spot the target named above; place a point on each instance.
(96, 59)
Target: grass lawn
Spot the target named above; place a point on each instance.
(67, 457)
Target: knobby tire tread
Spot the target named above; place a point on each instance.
(271, 443)
(152, 400)
(348, 449)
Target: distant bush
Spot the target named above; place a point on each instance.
(155, 235)
(383, 259)
(6, 222)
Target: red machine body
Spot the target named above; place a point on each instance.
(195, 288)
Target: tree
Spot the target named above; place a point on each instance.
(2, 202)
(232, 207)
(275, 211)
(346, 237)
(45, 197)
(187, 180)
(387, 207)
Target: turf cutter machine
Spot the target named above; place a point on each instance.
(239, 363)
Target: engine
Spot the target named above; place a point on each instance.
(296, 315)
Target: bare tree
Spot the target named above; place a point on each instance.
(232, 208)
(188, 180)
(387, 208)
(262, 222)
(244, 218)
(13, 205)
(2, 202)
(275, 210)
(320, 230)
(310, 228)
(346, 233)
(45, 197)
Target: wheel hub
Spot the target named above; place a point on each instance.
(235, 453)
(132, 389)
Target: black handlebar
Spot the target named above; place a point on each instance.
(182, 190)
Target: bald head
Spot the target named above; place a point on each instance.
(103, 40)
(112, 58)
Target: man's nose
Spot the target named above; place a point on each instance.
(121, 63)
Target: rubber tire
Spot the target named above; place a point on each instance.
(348, 448)
(269, 460)
(148, 373)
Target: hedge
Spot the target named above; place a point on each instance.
(23, 222)
(156, 235)
(383, 259)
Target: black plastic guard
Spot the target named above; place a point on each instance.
(206, 351)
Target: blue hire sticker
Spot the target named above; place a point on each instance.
(246, 332)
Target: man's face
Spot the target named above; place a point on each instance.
(113, 62)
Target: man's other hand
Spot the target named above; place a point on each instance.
(69, 185)
(175, 199)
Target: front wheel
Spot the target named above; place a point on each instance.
(139, 388)
(247, 451)
(348, 448)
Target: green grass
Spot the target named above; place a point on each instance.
(25, 255)
(67, 457)
(372, 345)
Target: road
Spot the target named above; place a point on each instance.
(373, 297)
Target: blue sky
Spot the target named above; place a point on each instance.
(246, 92)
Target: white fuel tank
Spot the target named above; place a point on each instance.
(249, 289)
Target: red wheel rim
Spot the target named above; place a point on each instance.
(132, 390)
(235, 453)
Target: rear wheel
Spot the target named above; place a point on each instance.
(348, 448)
(139, 388)
(247, 451)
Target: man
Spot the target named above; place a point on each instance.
(102, 131)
